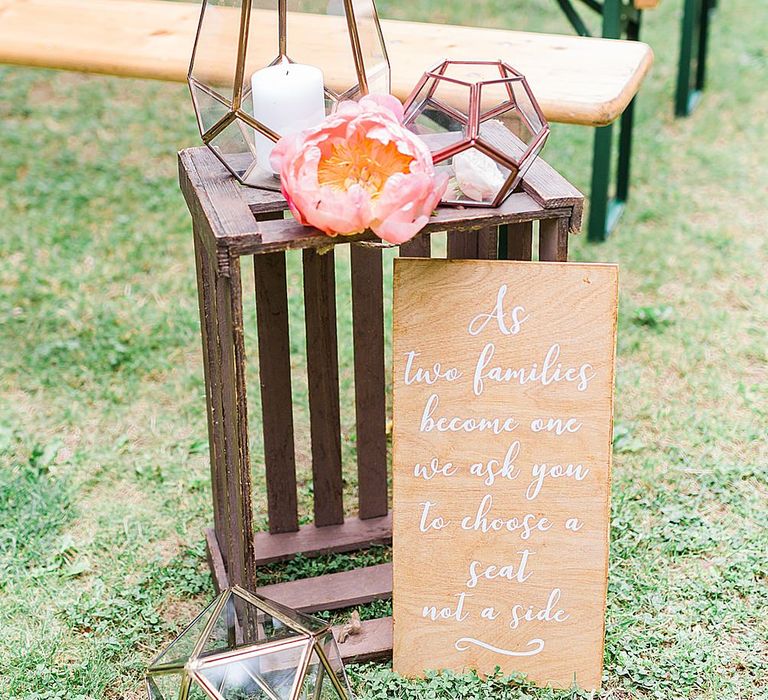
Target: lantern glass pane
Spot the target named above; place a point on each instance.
(452, 97)
(475, 177)
(372, 47)
(209, 108)
(235, 681)
(269, 675)
(317, 684)
(438, 125)
(496, 97)
(327, 690)
(474, 71)
(521, 134)
(316, 34)
(309, 682)
(263, 36)
(235, 146)
(196, 692)
(508, 135)
(153, 691)
(214, 61)
(524, 103)
(279, 669)
(333, 656)
(179, 651)
(166, 685)
(530, 157)
(240, 623)
(303, 623)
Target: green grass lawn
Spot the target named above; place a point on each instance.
(104, 488)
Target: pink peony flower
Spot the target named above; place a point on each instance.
(360, 168)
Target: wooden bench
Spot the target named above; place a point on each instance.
(621, 19)
(576, 80)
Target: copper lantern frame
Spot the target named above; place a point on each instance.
(475, 118)
(234, 104)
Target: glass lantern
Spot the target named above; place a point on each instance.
(483, 126)
(262, 69)
(245, 647)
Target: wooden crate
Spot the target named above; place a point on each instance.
(231, 221)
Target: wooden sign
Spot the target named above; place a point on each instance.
(503, 402)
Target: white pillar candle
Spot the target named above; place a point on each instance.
(287, 98)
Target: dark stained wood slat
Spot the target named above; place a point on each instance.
(209, 334)
(215, 561)
(289, 234)
(520, 241)
(323, 375)
(370, 382)
(487, 243)
(223, 508)
(276, 400)
(234, 417)
(418, 247)
(374, 641)
(462, 245)
(473, 245)
(214, 197)
(310, 540)
(552, 190)
(333, 591)
(553, 240)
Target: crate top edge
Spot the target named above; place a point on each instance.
(248, 221)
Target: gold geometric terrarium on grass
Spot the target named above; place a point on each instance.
(262, 69)
(245, 647)
(483, 126)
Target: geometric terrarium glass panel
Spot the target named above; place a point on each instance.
(482, 125)
(245, 647)
(262, 69)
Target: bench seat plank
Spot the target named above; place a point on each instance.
(576, 80)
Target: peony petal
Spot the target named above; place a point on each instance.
(405, 205)
(384, 102)
(397, 212)
(346, 213)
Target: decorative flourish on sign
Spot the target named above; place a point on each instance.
(464, 643)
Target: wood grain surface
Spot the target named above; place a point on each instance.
(503, 400)
(579, 80)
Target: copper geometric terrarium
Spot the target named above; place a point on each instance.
(245, 647)
(262, 69)
(483, 126)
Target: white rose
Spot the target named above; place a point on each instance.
(477, 175)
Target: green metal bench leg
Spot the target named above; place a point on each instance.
(599, 198)
(620, 20)
(708, 8)
(604, 209)
(694, 42)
